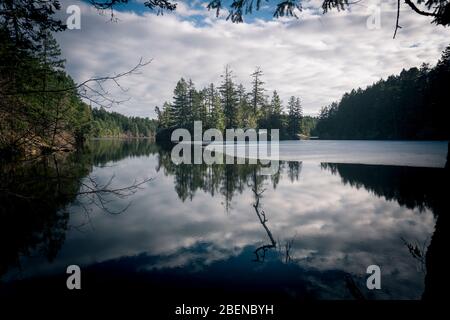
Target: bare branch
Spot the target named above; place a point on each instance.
(97, 193)
(417, 10)
(98, 96)
(397, 26)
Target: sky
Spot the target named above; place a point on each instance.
(316, 57)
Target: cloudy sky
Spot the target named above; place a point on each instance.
(317, 57)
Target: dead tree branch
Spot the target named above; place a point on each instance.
(98, 193)
(397, 26)
(92, 89)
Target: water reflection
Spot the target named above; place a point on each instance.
(423, 188)
(35, 195)
(311, 227)
(33, 201)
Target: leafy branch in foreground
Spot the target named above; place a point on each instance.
(439, 10)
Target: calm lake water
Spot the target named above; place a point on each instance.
(307, 232)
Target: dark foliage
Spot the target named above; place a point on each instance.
(411, 105)
(231, 106)
(113, 124)
(438, 10)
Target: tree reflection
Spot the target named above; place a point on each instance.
(35, 195)
(33, 201)
(226, 180)
(35, 198)
(260, 252)
(413, 188)
(256, 185)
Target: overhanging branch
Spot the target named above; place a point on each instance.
(417, 10)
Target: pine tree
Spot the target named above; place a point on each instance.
(444, 61)
(212, 103)
(276, 110)
(246, 118)
(52, 112)
(257, 93)
(135, 130)
(159, 115)
(48, 51)
(27, 21)
(166, 115)
(229, 99)
(181, 108)
(201, 107)
(294, 117)
(208, 96)
(217, 118)
(192, 102)
(298, 108)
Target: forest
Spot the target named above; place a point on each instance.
(56, 188)
(113, 124)
(41, 110)
(230, 105)
(411, 105)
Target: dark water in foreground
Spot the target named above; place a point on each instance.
(307, 232)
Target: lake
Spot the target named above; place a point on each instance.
(196, 231)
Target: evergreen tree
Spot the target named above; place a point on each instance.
(159, 114)
(230, 107)
(165, 116)
(135, 130)
(257, 93)
(48, 51)
(217, 117)
(294, 117)
(298, 108)
(308, 125)
(209, 95)
(276, 110)
(229, 99)
(411, 105)
(192, 102)
(27, 22)
(168, 115)
(181, 107)
(201, 106)
(113, 124)
(246, 118)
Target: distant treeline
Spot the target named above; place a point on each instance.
(113, 124)
(308, 126)
(230, 106)
(412, 105)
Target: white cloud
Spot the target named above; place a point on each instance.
(318, 57)
(348, 229)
